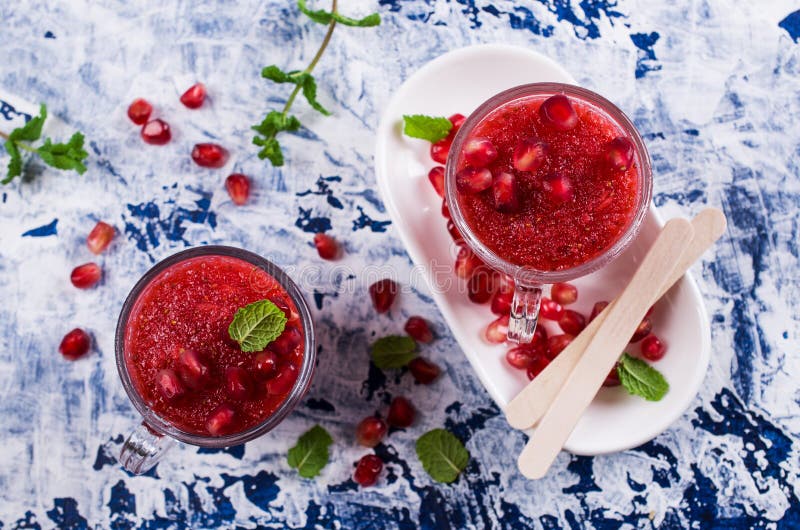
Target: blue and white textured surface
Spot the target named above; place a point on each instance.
(713, 86)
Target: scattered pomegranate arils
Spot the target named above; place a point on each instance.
(193, 98)
(538, 363)
(383, 292)
(445, 210)
(286, 342)
(423, 370)
(597, 309)
(367, 470)
(370, 431)
(643, 329)
(238, 187)
(557, 343)
(472, 180)
(436, 176)
(529, 155)
(466, 263)
(564, 293)
(156, 132)
(501, 302)
(237, 382)
(418, 329)
(652, 348)
(86, 275)
(209, 155)
(619, 154)
(100, 237)
(139, 111)
(479, 152)
(506, 193)
(557, 111)
(265, 363)
(221, 419)
(193, 369)
(284, 381)
(326, 246)
(497, 330)
(169, 384)
(75, 344)
(612, 379)
(480, 285)
(454, 233)
(440, 150)
(558, 188)
(520, 357)
(572, 322)
(401, 413)
(539, 337)
(457, 120)
(550, 310)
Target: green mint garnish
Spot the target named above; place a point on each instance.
(442, 455)
(394, 351)
(641, 379)
(256, 325)
(325, 17)
(310, 454)
(431, 128)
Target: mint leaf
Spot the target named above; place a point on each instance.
(442, 455)
(641, 379)
(321, 16)
(32, 130)
(256, 325)
(431, 128)
(275, 122)
(394, 351)
(310, 454)
(64, 156)
(305, 80)
(270, 149)
(14, 163)
(310, 93)
(273, 73)
(367, 22)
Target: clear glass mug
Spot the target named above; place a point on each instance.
(528, 282)
(148, 442)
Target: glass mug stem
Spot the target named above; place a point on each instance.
(143, 449)
(524, 309)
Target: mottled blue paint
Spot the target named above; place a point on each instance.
(646, 56)
(50, 229)
(307, 222)
(365, 221)
(66, 515)
(49, 35)
(9, 112)
(792, 25)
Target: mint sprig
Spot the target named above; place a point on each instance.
(394, 351)
(310, 454)
(641, 379)
(442, 455)
(66, 156)
(275, 121)
(255, 325)
(431, 128)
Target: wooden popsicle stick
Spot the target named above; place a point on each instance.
(528, 407)
(603, 350)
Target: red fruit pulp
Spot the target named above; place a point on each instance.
(209, 155)
(383, 292)
(86, 275)
(418, 329)
(238, 187)
(100, 237)
(75, 344)
(156, 132)
(178, 323)
(139, 111)
(368, 470)
(193, 98)
(401, 413)
(326, 246)
(370, 431)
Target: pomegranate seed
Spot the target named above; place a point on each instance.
(529, 155)
(643, 330)
(139, 111)
(445, 210)
(557, 111)
(383, 293)
(612, 379)
(169, 384)
(550, 310)
(436, 176)
(597, 309)
(75, 344)
(401, 413)
(457, 120)
(619, 153)
(371, 431)
(100, 237)
(423, 370)
(520, 357)
(466, 263)
(86, 275)
(652, 348)
(286, 342)
(472, 180)
(291, 315)
(454, 233)
(418, 329)
(326, 246)
(480, 286)
(572, 322)
(506, 193)
(284, 381)
(156, 132)
(558, 188)
(220, 420)
(497, 330)
(368, 470)
(194, 97)
(193, 369)
(650, 311)
(501, 302)
(237, 382)
(538, 363)
(265, 363)
(440, 150)
(209, 155)
(564, 293)
(479, 152)
(238, 187)
(556, 344)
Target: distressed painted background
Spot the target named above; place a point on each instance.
(713, 85)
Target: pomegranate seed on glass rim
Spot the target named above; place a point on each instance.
(370, 431)
(193, 98)
(557, 111)
(238, 187)
(156, 132)
(86, 275)
(75, 344)
(472, 180)
(139, 111)
(479, 152)
(100, 237)
(326, 246)
(619, 154)
(383, 292)
(418, 329)
(368, 469)
(401, 413)
(209, 155)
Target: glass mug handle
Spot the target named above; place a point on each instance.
(143, 449)
(524, 308)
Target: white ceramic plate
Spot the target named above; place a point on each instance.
(459, 81)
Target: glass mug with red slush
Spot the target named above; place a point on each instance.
(184, 374)
(546, 182)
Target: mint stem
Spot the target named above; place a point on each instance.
(21, 145)
(3, 135)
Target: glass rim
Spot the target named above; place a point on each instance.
(304, 377)
(527, 273)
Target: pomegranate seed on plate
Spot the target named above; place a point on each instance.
(557, 111)
(652, 348)
(139, 111)
(436, 176)
(612, 379)
(445, 210)
(572, 322)
(457, 120)
(479, 152)
(220, 420)
(418, 329)
(440, 150)
(538, 363)
(368, 470)
(100, 237)
(550, 310)
(643, 330)
(265, 363)
(454, 233)
(472, 180)
(480, 286)
(506, 193)
(370, 431)
(501, 301)
(466, 263)
(557, 343)
(597, 309)
(529, 155)
(521, 356)
(209, 155)
(193, 369)
(75, 344)
(558, 188)
(86, 275)
(564, 293)
(383, 293)
(237, 382)
(156, 132)
(539, 337)
(286, 342)
(238, 187)
(401, 413)
(497, 330)
(423, 370)
(326, 246)
(284, 381)
(169, 384)
(193, 98)
(619, 153)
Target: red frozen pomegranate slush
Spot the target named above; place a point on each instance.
(182, 361)
(548, 181)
